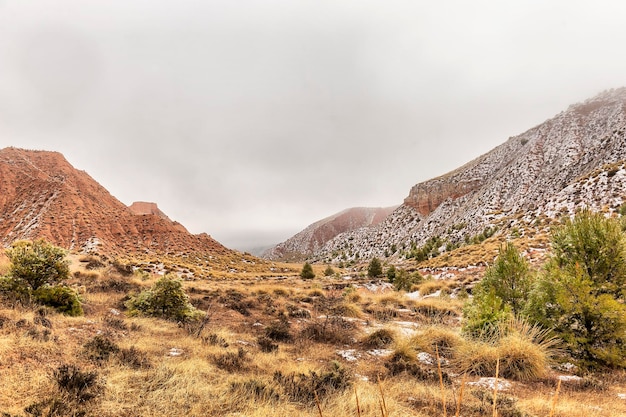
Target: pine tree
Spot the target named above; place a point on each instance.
(374, 269)
(307, 271)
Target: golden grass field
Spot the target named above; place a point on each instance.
(278, 347)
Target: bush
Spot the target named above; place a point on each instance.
(231, 361)
(63, 299)
(502, 292)
(304, 388)
(80, 385)
(374, 269)
(100, 348)
(36, 263)
(166, 299)
(329, 271)
(403, 281)
(307, 271)
(279, 330)
(582, 292)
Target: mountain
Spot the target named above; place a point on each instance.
(43, 196)
(311, 239)
(540, 173)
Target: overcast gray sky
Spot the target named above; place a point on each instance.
(251, 119)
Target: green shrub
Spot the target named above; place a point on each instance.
(165, 299)
(582, 291)
(36, 263)
(374, 269)
(329, 271)
(60, 297)
(307, 271)
(404, 281)
(502, 292)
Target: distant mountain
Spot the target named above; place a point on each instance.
(42, 195)
(311, 239)
(570, 161)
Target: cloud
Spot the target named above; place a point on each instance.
(256, 118)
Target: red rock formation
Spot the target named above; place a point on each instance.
(425, 197)
(42, 195)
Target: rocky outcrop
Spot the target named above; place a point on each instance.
(317, 234)
(43, 196)
(142, 208)
(426, 197)
(518, 178)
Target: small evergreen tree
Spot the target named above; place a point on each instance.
(502, 292)
(581, 294)
(329, 271)
(165, 299)
(391, 273)
(374, 269)
(36, 263)
(36, 274)
(307, 271)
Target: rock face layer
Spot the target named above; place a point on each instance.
(519, 177)
(317, 234)
(43, 196)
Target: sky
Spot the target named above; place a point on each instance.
(251, 119)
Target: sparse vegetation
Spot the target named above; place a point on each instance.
(375, 268)
(307, 271)
(166, 299)
(261, 347)
(581, 295)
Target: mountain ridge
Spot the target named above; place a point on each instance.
(44, 196)
(517, 177)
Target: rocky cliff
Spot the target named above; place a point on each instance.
(528, 175)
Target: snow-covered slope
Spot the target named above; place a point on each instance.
(536, 173)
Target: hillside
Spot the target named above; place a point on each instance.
(44, 196)
(530, 175)
(312, 238)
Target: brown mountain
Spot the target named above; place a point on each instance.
(43, 196)
(317, 234)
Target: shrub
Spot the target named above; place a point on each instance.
(404, 281)
(374, 269)
(329, 271)
(307, 271)
(63, 299)
(524, 351)
(36, 263)
(266, 344)
(133, 358)
(81, 386)
(100, 348)
(279, 331)
(582, 291)
(304, 388)
(502, 292)
(166, 299)
(391, 273)
(231, 361)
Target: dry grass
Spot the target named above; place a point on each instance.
(163, 368)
